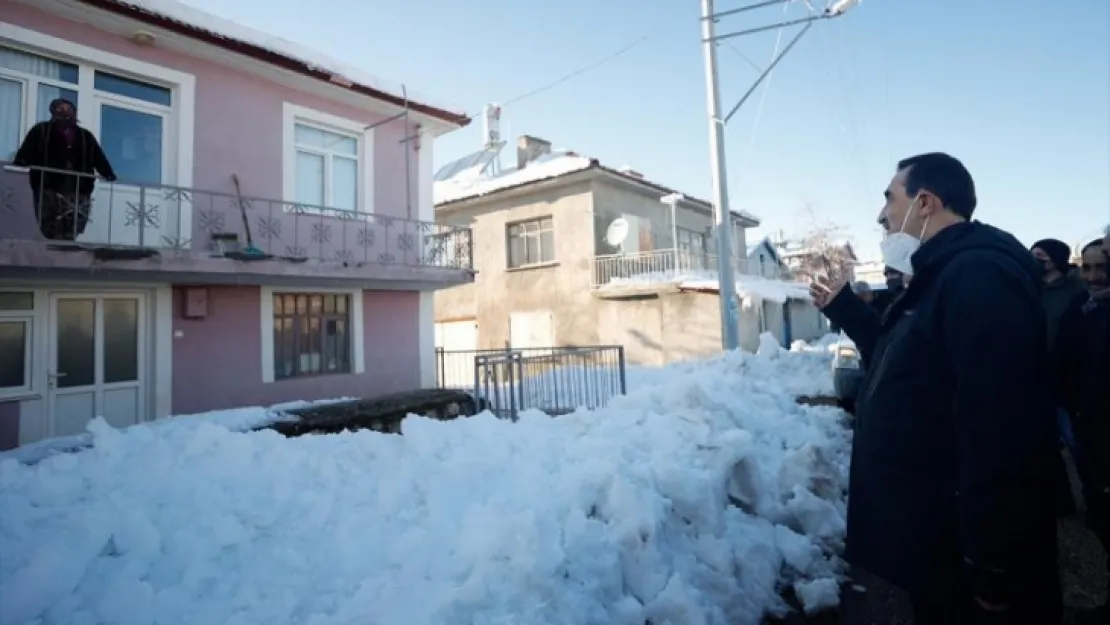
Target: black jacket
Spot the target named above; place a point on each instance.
(955, 444)
(883, 299)
(1083, 356)
(44, 147)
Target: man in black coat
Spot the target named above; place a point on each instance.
(1084, 360)
(894, 286)
(952, 487)
(63, 157)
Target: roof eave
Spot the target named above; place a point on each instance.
(269, 56)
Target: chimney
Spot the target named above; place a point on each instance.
(529, 148)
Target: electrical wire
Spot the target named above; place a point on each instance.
(766, 89)
(574, 74)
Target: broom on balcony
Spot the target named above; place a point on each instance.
(250, 252)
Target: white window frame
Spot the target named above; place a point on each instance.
(179, 119)
(27, 318)
(537, 235)
(357, 329)
(292, 115)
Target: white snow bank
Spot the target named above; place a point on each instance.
(235, 420)
(616, 516)
(228, 29)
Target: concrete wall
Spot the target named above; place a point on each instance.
(228, 340)
(561, 287)
(580, 212)
(670, 326)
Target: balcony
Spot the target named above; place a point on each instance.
(670, 266)
(217, 237)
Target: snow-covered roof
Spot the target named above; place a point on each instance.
(477, 181)
(474, 183)
(754, 288)
(749, 287)
(230, 34)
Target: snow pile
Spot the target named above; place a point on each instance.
(751, 287)
(235, 420)
(467, 184)
(231, 30)
(615, 516)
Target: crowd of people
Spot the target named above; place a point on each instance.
(986, 370)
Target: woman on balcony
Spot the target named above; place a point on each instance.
(63, 158)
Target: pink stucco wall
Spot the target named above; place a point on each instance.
(217, 361)
(239, 118)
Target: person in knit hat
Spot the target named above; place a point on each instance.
(63, 158)
(1061, 286)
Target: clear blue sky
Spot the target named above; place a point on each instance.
(1019, 90)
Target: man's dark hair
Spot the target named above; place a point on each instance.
(945, 177)
(1095, 243)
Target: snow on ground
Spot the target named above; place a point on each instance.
(613, 516)
(747, 286)
(235, 420)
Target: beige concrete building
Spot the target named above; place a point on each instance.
(571, 252)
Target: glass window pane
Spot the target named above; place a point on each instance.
(308, 136)
(16, 300)
(341, 304)
(342, 345)
(343, 144)
(344, 183)
(516, 251)
(547, 246)
(76, 355)
(13, 344)
(318, 138)
(130, 88)
(11, 117)
(49, 93)
(28, 63)
(133, 143)
(310, 179)
(277, 304)
(288, 349)
(121, 340)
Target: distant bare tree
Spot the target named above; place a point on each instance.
(822, 249)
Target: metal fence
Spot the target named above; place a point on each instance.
(556, 380)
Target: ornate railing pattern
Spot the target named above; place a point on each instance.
(164, 217)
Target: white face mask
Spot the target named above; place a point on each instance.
(899, 247)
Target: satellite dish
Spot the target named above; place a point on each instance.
(617, 232)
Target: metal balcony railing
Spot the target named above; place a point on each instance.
(659, 266)
(46, 204)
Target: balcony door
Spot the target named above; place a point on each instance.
(96, 363)
(132, 120)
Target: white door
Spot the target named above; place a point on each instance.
(529, 330)
(459, 342)
(96, 360)
(138, 209)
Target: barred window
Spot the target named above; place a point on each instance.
(312, 334)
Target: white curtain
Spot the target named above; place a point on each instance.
(11, 117)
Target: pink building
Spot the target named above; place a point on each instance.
(151, 311)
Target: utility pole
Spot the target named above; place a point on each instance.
(722, 213)
(722, 217)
